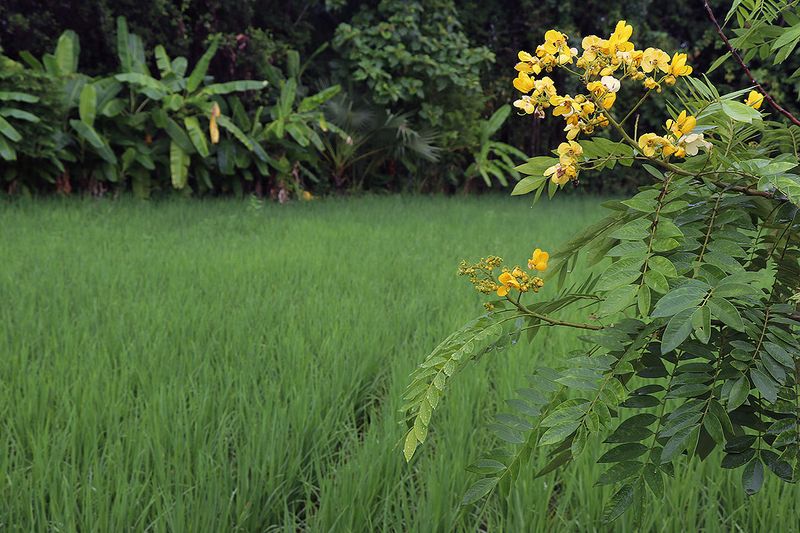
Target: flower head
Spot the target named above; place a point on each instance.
(555, 50)
(569, 151)
(682, 125)
(655, 59)
(618, 42)
(610, 83)
(651, 84)
(692, 143)
(678, 66)
(507, 282)
(565, 105)
(754, 99)
(561, 173)
(538, 260)
(523, 83)
(650, 143)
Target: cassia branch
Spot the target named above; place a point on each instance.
(777, 107)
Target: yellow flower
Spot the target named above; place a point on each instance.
(566, 55)
(651, 84)
(307, 196)
(561, 174)
(632, 58)
(570, 150)
(525, 104)
(653, 58)
(618, 42)
(595, 87)
(553, 40)
(682, 125)
(523, 83)
(556, 48)
(565, 105)
(650, 143)
(538, 260)
(622, 32)
(527, 63)
(592, 45)
(527, 68)
(544, 87)
(572, 130)
(754, 99)
(605, 90)
(678, 67)
(507, 282)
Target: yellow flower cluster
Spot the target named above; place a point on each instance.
(605, 64)
(679, 140)
(481, 275)
(567, 167)
(535, 103)
(518, 279)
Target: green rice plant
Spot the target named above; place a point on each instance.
(200, 366)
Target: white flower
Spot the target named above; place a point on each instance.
(693, 142)
(610, 83)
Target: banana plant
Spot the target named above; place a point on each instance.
(295, 123)
(12, 110)
(30, 118)
(176, 108)
(494, 158)
(77, 92)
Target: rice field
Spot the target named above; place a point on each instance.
(223, 366)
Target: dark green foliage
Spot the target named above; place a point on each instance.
(414, 55)
(135, 129)
(429, 61)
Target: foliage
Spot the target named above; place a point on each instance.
(253, 33)
(369, 141)
(29, 114)
(691, 327)
(415, 54)
(256, 36)
(494, 159)
(132, 127)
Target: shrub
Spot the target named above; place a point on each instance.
(132, 128)
(414, 56)
(691, 318)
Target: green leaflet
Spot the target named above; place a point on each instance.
(179, 165)
(197, 136)
(200, 69)
(88, 104)
(678, 329)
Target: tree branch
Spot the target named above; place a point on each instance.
(777, 107)
(553, 321)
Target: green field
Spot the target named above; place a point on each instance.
(208, 366)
